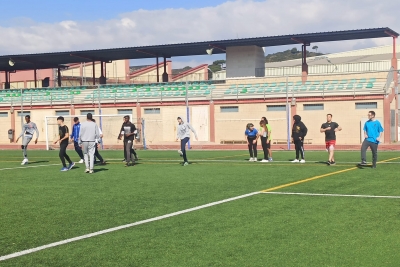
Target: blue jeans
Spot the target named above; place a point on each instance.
(78, 149)
(183, 147)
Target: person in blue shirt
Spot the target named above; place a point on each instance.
(75, 137)
(251, 135)
(373, 133)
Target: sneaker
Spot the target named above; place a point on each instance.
(251, 159)
(81, 161)
(302, 161)
(71, 165)
(136, 158)
(264, 160)
(24, 162)
(103, 163)
(255, 159)
(87, 170)
(295, 161)
(332, 163)
(127, 164)
(124, 160)
(186, 164)
(91, 171)
(363, 163)
(64, 169)
(270, 159)
(373, 167)
(180, 153)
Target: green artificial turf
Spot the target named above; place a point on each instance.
(41, 205)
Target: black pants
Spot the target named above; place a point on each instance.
(265, 147)
(252, 147)
(63, 154)
(97, 155)
(374, 149)
(298, 145)
(78, 149)
(183, 148)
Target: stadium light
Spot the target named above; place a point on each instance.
(209, 51)
(11, 62)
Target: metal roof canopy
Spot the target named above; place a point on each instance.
(58, 59)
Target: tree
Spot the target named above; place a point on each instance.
(294, 50)
(315, 48)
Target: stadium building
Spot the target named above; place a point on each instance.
(345, 84)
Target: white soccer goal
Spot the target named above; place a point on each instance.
(109, 124)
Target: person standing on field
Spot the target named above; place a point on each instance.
(373, 131)
(63, 133)
(75, 138)
(251, 135)
(263, 134)
(183, 134)
(128, 130)
(330, 128)
(28, 129)
(269, 138)
(88, 137)
(299, 131)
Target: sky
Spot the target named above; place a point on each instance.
(28, 26)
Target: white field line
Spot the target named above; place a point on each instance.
(330, 195)
(26, 167)
(66, 241)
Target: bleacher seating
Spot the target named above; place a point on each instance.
(121, 92)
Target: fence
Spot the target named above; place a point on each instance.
(218, 111)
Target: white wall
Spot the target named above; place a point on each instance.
(245, 61)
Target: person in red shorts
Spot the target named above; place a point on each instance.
(330, 128)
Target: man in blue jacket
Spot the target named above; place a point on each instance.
(373, 133)
(75, 137)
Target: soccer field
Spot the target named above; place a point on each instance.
(220, 211)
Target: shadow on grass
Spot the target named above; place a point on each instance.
(99, 170)
(38, 162)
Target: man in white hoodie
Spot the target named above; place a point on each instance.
(88, 137)
(183, 134)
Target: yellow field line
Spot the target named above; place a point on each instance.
(317, 177)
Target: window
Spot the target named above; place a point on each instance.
(3, 114)
(85, 112)
(24, 113)
(313, 106)
(152, 111)
(62, 112)
(367, 105)
(276, 107)
(230, 109)
(125, 111)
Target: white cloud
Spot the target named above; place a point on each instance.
(242, 18)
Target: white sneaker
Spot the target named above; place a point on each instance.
(264, 160)
(25, 161)
(87, 170)
(251, 159)
(91, 171)
(255, 159)
(81, 161)
(180, 152)
(294, 161)
(302, 161)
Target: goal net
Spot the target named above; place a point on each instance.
(110, 125)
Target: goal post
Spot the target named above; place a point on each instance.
(109, 125)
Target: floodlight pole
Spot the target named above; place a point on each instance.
(287, 114)
(187, 108)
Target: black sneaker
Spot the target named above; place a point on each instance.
(332, 163)
(328, 162)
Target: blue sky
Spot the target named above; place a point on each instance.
(35, 26)
(79, 10)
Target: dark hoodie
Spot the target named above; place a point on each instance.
(298, 129)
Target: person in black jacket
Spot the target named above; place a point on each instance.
(299, 131)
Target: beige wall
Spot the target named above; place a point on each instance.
(114, 70)
(161, 127)
(5, 124)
